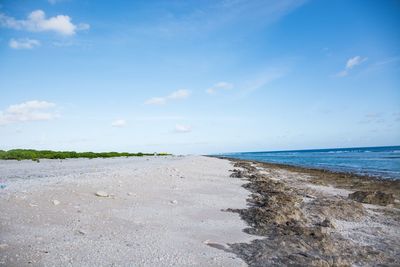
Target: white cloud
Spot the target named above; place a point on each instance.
(219, 86)
(28, 111)
(37, 22)
(23, 43)
(83, 27)
(354, 61)
(350, 64)
(119, 123)
(156, 101)
(179, 94)
(179, 128)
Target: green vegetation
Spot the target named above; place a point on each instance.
(20, 154)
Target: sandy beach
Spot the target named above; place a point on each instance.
(188, 211)
(260, 133)
(162, 211)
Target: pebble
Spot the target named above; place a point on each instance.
(56, 202)
(102, 194)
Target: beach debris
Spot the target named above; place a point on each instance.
(82, 232)
(102, 194)
(372, 197)
(174, 202)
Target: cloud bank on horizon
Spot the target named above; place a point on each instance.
(257, 75)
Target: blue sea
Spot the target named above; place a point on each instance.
(381, 162)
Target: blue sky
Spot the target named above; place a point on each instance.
(199, 76)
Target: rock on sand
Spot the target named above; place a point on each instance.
(102, 194)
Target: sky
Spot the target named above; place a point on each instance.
(199, 77)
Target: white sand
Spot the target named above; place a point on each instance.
(160, 212)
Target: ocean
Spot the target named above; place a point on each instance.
(381, 162)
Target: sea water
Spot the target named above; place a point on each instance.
(381, 162)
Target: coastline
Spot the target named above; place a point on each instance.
(305, 218)
(345, 180)
(191, 210)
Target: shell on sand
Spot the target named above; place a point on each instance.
(102, 194)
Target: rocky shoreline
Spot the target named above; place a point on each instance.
(308, 217)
